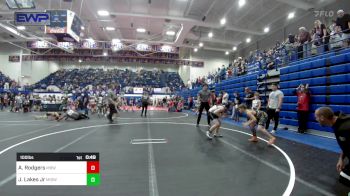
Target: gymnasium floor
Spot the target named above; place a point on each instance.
(187, 164)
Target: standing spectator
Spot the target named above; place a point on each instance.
(203, 99)
(225, 98)
(218, 99)
(256, 104)
(212, 99)
(274, 105)
(343, 20)
(303, 105)
(86, 103)
(190, 102)
(304, 40)
(322, 34)
(189, 84)
(249, 96)
(237, 101)
(2, 102)
(341, 126)
(336, 38)
(229, 72)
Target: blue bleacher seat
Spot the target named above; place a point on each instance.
(338, 59)
(304, 66)
(339, 89)
(290, 99)
(318, 90)
(343, 68)
(340, 79)
(339, 99)
(319, 99)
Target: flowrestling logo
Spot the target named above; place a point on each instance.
(324, 13)
(32, 18)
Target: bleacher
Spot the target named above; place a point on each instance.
(329, 78)
(328, 75)
(237, 84)
(4, 79)
(80, 78)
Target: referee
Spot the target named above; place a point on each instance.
(203, 98)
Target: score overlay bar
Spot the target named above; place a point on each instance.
(58, 169)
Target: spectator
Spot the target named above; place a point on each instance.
(256, 104)
(190, 103)
(212, 99)
(274, 105)
(303, 105)
(237, 102)
(225, 98)
(304, 41)
(343, 20)
(336, 40)
(189, 84)
(249, 96)
(322, 35)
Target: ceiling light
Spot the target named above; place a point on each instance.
(170, 33)
(82, 28)
(248, 40)
(234, 48)
(200, 44)
(105, 54)
(291, 15)
(210, 34)
(141, 30)
(266, 29)
(227, 53)
(241, 3)
(21, 27)
(195, 49)
(223, 21)
(103, 13)
(80, 61)
(110, 28)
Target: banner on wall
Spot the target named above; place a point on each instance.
(138, 90)
(111, 59)
(60, 26)
(14, 58)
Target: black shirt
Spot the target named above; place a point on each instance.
(342, 132)
(343, 23)
(249, 102)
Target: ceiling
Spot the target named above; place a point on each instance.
(192, 20)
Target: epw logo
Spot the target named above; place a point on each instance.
(32, 18)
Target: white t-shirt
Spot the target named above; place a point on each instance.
(225, 99)
(273, 98)
(255, 104)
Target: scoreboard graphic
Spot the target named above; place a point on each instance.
(79, 169)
